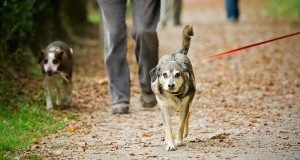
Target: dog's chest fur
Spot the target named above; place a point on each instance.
(172, 102)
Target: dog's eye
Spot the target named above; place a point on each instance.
(55, 61)
(177, 75)
(45, 61)
(165, 75)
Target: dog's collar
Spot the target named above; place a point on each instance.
(175, 93)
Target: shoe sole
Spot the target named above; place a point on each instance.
(120, 110)
(149, 105)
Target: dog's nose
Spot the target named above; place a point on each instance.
(49, 70)
(171, 86)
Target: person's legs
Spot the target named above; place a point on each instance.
(113, 15)
(145, 14)
(163, 12)
(232, 9)
(177, 5)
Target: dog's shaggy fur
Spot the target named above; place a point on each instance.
(57, 65)
(173, 83)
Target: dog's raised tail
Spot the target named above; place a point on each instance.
(187, 33)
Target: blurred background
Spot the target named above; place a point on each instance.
(27, 26)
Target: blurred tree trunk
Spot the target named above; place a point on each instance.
(57, 20)
(65, 18)
(76, 12)
(48, 25)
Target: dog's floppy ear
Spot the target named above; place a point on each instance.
(59, 54)
(154, 73)
(42, 56)
(187, 69)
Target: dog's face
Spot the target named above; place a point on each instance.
(50, 60)
(171, 77)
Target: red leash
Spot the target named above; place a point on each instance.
(248, 46)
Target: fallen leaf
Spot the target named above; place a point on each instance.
(147, 134)
(132, 154)
(220, 136)
(70, 129)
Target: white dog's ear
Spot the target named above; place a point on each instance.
(42, 56)
(154, 72)
(59, 54)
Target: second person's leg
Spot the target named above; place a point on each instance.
(113, 15)
(145, 14)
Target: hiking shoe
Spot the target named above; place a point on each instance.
(120, 108)
(148, 100)
(233, 19)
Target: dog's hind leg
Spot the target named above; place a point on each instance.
(168, 130)
(49, 104)
(58, 94)
(183, 116)
(68, 93)
(186, 126)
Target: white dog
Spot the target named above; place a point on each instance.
(57, 64)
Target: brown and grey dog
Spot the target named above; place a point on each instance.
(173, 83)
(57, 65)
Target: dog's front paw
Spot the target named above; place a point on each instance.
(179, 143)
(48, 107)
(170, 147)
(58, 102)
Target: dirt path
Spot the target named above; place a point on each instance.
(247, 105)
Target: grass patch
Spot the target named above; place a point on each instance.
(288, 9)
(71, 117)
(20, 127)
(34, 157)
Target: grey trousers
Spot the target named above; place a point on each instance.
(145, 16)
(170, 11)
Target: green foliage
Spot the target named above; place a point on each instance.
(288, 9)
(7, 90)
(16, 23)
(35, 70)
(20, 127)
(16, 19)
(94, 17)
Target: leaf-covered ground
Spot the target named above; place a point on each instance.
(247, 105)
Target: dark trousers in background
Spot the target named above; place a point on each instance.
(232, 9)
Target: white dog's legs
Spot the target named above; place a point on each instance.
(49, 104)
(68, 93)
(64, 96)
(58, 94)
(168, 131)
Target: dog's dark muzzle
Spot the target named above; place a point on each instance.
(171, 86)
(50, 72)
